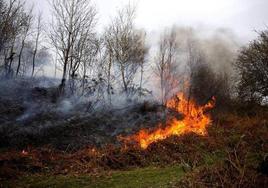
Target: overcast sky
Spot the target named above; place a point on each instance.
(242, 16)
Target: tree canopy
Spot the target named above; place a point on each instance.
(252, 65)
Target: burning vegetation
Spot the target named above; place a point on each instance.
(195, 120)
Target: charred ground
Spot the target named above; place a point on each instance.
(31, 116)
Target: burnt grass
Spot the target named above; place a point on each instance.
(36, 117)
(233, 154)
(71, 132)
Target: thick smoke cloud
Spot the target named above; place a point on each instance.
(219, 48)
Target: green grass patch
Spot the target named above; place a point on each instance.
(212, 158)
(138, 178)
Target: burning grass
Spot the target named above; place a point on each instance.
(195, 120)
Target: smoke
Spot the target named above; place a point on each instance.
(218, 47)
(221, 50)
(30, 115)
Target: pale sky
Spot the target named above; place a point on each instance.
(242, 16)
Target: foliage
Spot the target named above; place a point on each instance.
(252, 65)
(205, 83)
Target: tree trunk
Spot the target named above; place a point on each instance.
(109, 80)
(11, 58)
(63, 80)
(124, 79)
(141, 79)
(34, 56)
(20, 56)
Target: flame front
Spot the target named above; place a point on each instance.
(195, 120)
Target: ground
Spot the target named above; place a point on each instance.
(145, 177)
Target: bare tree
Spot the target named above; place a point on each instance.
(9, 20)
(166, 63)
(107, 62)
(73, 22)
(143, 51)
(125, 46)
(89, 57)
(11, 24)
(37, 40)
(27, 19)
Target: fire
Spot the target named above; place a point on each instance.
(195, 120)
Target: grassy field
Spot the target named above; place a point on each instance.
(146, 177)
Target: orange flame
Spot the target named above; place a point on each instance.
(195, 120)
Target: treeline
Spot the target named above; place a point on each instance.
(20, 35)
(120, 61)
